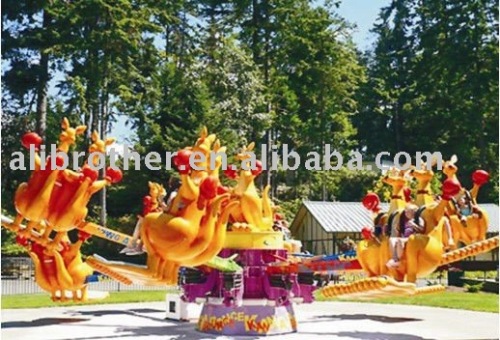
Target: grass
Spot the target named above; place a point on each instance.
(43, 300)
(481, 275)
(482, 302)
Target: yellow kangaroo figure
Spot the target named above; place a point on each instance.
(395, 178)
(189, 228)
(422, 253)
(68, 203)
(32, 198)
(60, 271)
(252, 211)
(425, 197)
(475, 227)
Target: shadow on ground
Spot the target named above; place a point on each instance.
(178, 331)
(41, 322)
(379, 318)
(115, 311)
(372, 335)
(172, 329)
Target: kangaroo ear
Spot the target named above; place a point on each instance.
(216, 145)
(80, 129)
(453, 159)
(65, 123)
(211, 138)
(110, 141)
(406, 174)
(203, 132)
(434, 161)
(250, 146)
(392, 171)
(95, 136)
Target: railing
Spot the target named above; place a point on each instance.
(18, 277)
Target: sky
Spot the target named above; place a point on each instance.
(362, 13)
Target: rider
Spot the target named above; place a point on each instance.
(467, 208)
(409, 225)
(149, 206)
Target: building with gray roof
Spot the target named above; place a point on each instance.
(322, 226)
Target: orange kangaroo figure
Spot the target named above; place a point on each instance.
(425, 197)
(251, 212)
(395, 178)
(476, 225)
(191, 230)
(479, 177)
(450, 170)
(68, 202)
(422, 253)
(430, 209)
(32, 198)
(63, 271)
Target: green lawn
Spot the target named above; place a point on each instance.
(43, 300)
(483, 302)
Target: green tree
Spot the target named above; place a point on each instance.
(385, 100)
(433, 83)
(28, 39)
(236, 91)
(456, 84)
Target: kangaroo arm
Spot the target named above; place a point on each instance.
(63, 276)
(38, 161)
(219, 238)
(266, 202)
(70, 176)
(473, 192)
(40, 278)
(98, 185)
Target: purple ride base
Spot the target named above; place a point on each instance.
(253, 302)
(247, 320)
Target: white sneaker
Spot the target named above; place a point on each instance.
(135, 251)
(126, 250)
(451, 243)
(393, 263)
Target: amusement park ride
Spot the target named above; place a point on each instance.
(218, 243)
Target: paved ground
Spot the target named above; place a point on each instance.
(324, 320)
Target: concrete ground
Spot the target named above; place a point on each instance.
(322, 320)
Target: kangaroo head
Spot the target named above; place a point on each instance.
(395, 178)
(68, 134)
(449, 167)
(98, 146)
(245, 152)
(422, 175)
(204, 142)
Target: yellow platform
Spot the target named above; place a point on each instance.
(254, 240)
(374, 288)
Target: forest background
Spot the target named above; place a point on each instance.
(270, 71)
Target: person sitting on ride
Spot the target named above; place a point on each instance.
(173, 185)
(409, 225)
(465, 209)
(149, 206)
